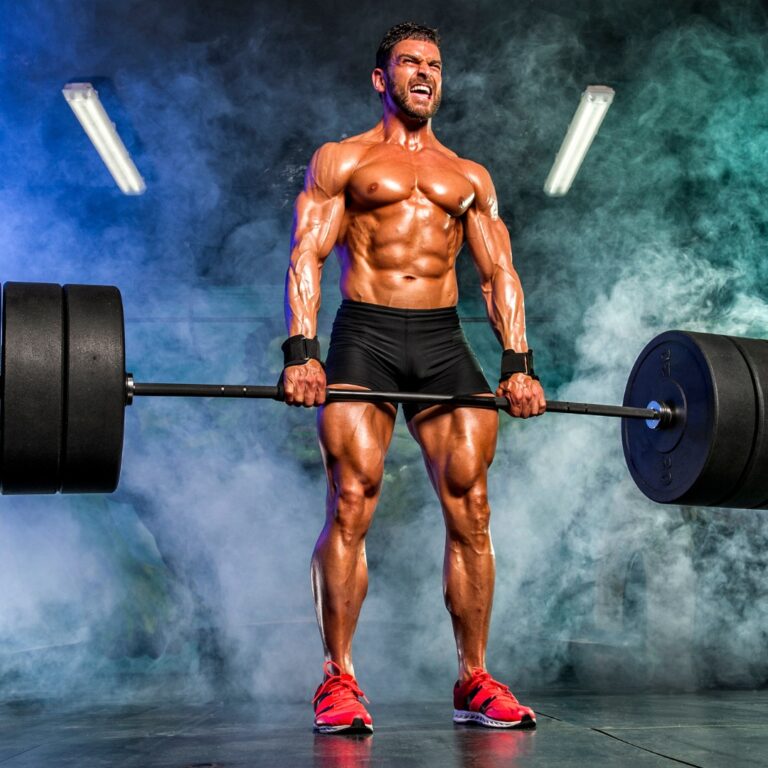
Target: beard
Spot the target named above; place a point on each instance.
(400, 95)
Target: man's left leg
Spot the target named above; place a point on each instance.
(458, 446)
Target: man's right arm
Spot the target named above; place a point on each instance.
(318, 214)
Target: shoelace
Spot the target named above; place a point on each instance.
(490, 685)
(335, 678)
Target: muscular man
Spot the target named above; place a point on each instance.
(397, 206)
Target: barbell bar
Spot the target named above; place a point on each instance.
(693, 416)
(155, 389)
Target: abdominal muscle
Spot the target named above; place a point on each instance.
(400, 256)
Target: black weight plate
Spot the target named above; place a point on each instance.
(700, 458)
(32, 397)
(752, 490)
(94, 389)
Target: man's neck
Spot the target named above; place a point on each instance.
(411, 133)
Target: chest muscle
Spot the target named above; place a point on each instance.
(389, 181)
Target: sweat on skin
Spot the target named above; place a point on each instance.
(397, 206)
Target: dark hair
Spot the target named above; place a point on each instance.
(405, 31)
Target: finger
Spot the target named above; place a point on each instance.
(533, 399)
(317, 384)
(299, 387)
(524, 399)
(512, 393)
(514, 407)
(318, 390)
(288, 390)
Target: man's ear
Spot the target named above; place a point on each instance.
(378, 78)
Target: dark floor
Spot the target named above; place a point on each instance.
(718, 730)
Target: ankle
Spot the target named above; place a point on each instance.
(338, 666)
(468, 671)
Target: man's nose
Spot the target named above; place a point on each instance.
(423, 69)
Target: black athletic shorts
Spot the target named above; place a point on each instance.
(402, 350)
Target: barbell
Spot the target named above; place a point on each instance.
(693, 416)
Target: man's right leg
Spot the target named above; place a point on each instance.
(354, 438)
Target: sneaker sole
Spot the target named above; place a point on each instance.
(464, 716)
(357, 726)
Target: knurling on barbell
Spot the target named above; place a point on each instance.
(693, 417)
(661, 413)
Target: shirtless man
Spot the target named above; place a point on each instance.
(397, 205)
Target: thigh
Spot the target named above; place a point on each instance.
(458, 445)
(354, 438)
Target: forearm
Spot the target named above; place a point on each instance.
(303, 376)
(503, 295)
(302, 291)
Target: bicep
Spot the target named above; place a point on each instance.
(317, 221)
(319, 208)
(488, 242)
(486, 234)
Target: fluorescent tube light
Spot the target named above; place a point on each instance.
(84, 100)
(582, 130)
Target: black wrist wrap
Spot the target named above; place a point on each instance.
(298, 349)
(517, 362)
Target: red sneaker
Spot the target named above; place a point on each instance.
(337, 704)
(485, 701)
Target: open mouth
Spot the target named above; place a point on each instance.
(421, 89)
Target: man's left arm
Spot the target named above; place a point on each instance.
(489, 244)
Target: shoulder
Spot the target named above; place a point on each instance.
(329, 168)
(477, 174)
(485, 192)
(333, 164)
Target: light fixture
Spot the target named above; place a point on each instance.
(84, 100)
(590, 113)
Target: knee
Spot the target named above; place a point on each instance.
(352, 505)
(468, 519)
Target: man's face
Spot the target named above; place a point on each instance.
(413, 80)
